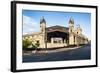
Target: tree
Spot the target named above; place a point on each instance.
(26, 43)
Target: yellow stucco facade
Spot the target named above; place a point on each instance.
(57, 37)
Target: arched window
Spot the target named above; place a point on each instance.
(71, 30)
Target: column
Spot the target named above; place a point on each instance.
(52, 40)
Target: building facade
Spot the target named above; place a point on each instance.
(57, 36)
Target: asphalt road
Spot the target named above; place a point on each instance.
(82, 53)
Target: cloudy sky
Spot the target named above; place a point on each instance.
(31, 20)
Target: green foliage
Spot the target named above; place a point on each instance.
(26, 43)
(36, 45)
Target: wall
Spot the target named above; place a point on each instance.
(5, 37)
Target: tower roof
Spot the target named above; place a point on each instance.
(79, 27)
(42, 20)
(71, 21)
(57, 28)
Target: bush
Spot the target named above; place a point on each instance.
(34, 46)
(37, 44)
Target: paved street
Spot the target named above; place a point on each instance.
(74, 54)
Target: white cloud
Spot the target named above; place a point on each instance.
(29, 24)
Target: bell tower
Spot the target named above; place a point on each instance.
(43, 32)
(71, 32)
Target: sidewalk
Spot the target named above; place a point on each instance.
(57, 50)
